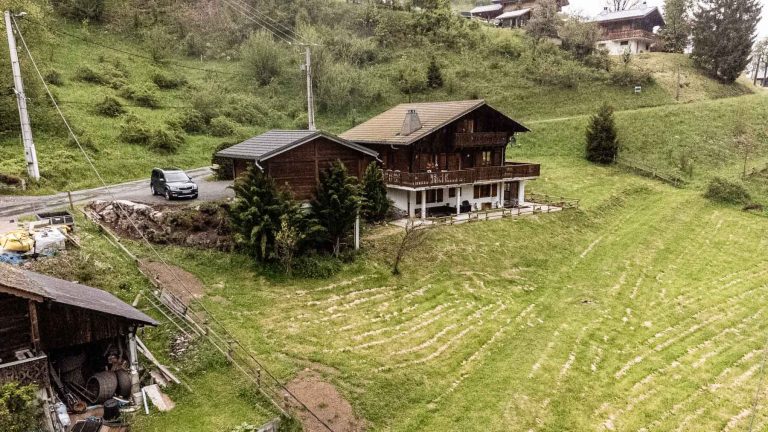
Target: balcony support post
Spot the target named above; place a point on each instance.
(521, 193)
(423, 204)
(411, 204)
(458, 200)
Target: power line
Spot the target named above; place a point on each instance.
(243, 9)
(152, 248)
(286, 29)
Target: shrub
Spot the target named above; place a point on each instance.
(141, 95)
(53, 77)
(110, 107)
(316, 266)
(159, 42)
(726, 191)
(222, 126)
(80, 10)
(167, 82)
(165, 141)
(208, 102)
(630, 76)
(191, 122)
(261, 55)
(434, 75)
(602, 141)
(10, 180)
(579, 37)
(223, 166)
(134, 131)
(105, 75)
(19, 409)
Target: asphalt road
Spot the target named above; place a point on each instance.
(14, 206)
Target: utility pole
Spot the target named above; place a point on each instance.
(26, 129)
(757, 69)
(310, 93)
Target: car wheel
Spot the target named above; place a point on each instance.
(167, 195)
(154, 192)
(194, 196)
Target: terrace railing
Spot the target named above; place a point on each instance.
(441, 178)
(628, 34)
(480, 139)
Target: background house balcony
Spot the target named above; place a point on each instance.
(467, 176)
(480, 139)
(627, 34)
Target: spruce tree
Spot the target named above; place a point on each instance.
(257, 213)
(336, 205)
(434, 75)
(602, 140)
(723, 35)
(674, 35)
(375, 204)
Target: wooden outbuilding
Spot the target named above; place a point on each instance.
(295, 158)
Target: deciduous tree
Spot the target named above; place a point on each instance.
(412, 238)
(544, 21)
(620, 5)
(602, 139)
(723, 36)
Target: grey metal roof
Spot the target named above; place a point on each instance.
(513, 14)
(486, 8)
(70, 293)
(271, 143)
(641, 12)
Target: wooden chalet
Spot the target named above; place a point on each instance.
(629, 30)
(517, 13)
(50, 327)
(294, 158)
(446, 156)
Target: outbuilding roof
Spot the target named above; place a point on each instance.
(385, 128)
(486, 9)
(629, 14)
(274, 142)
(513, 14)
(40, 287)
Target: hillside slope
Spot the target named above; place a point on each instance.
(94, 61)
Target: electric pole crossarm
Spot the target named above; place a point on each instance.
(18, 84)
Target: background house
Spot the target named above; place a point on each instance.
(446, 156)
(294, 158)
(629, 30)
(517, 13)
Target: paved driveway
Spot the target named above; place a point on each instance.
(15, 206)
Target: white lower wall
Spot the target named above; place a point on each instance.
(635, 46)
(400, 197)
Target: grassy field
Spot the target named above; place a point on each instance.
(641, 310)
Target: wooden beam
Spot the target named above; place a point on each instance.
(34, 329)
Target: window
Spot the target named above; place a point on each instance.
(433, 196)
(451, 192)
(624, 43)
(466, 126)
(486, 191)
(486, 158)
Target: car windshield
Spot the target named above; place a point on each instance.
(173, 177)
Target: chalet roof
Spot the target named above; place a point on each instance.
(486, 8)
(274, 142)
(513, 14)
(385, 128)
(629, 14)
(562, 2)
(36, 285)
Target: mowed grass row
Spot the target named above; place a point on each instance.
(642, 311)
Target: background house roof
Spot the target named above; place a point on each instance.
(385, 128)
(486, 8)
(273, 142)
(70, 293)
(513, 14)
(640, 12)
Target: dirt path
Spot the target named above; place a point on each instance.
(181, 283)
(324, 400)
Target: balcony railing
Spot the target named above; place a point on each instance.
(628, 34)
(442, 178)
(480, 139)
(27, 371)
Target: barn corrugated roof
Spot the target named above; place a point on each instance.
(513, 14)
(276, 141)
(70, 293)
(385, 128)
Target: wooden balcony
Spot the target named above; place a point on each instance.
(480, 139)
(467, 176)
(28, 371)
(627, 34)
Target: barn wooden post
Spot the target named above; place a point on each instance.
(34, 329)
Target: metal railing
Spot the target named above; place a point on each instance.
(472, 175)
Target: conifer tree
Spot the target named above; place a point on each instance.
(602, 140)
(723, 35)
(434, 75)
(336, 205)
(675, 33)
(375, 204)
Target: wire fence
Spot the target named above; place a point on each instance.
(647, 170)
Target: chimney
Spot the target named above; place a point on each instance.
(411, 123)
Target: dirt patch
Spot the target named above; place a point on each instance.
(324, 400)
(205, 225)
(181, 283)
